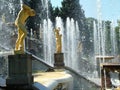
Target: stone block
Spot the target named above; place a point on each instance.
(19, 70)
(59, 60)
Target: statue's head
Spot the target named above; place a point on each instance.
(57, 31)
(32, 12)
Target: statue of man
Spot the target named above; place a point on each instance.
(23, 14)
(58, 40)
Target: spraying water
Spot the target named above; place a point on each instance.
(48, 41)
(70, 41)
(113, 41)
(100, 32)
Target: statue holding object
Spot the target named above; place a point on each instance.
(58, 40)
(23, 14)
(58, 56)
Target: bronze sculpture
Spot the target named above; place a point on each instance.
(58, 40)
(23, 14)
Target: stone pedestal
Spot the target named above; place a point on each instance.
(19, 70)
(106, 68)
(101, 59)
(59, 60)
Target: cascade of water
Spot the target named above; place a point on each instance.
(42, 2)
(5, 40)
(95, 39)
(70, 41)
(68, 27)
(113, 38)
(78, 47)
(100, 32)
(47, 11)
(99, 38)
(113, 41)
(48, 40)
(45, 39)
(45, 7)
(73, 44)
(102, 37)
(21, 2)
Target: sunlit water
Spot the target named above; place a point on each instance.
(71, 44)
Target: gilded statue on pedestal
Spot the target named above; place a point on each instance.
(23, 14)
(58, 37)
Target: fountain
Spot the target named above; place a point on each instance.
(101, 49)
(72, 45)
(105, 61)
(48, 42)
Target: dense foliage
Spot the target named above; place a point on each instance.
(117, 30)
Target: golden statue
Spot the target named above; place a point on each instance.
(23, 14)
(58, 40)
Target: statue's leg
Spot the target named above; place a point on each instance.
(19, 47)
(18, 40)
(22, 42)
(22, 38)
(59, 49)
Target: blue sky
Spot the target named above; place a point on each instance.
(110, 9)
(56, 2)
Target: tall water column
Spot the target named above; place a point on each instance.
(70, 41)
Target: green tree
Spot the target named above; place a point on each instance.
(89, 34)
(117, 29)
(108, 45)
(56, 12)
(72, 9)
(51, 12)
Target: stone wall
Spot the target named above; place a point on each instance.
(81, 83)
(3, 66)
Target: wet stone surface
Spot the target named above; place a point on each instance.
(17, 88)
